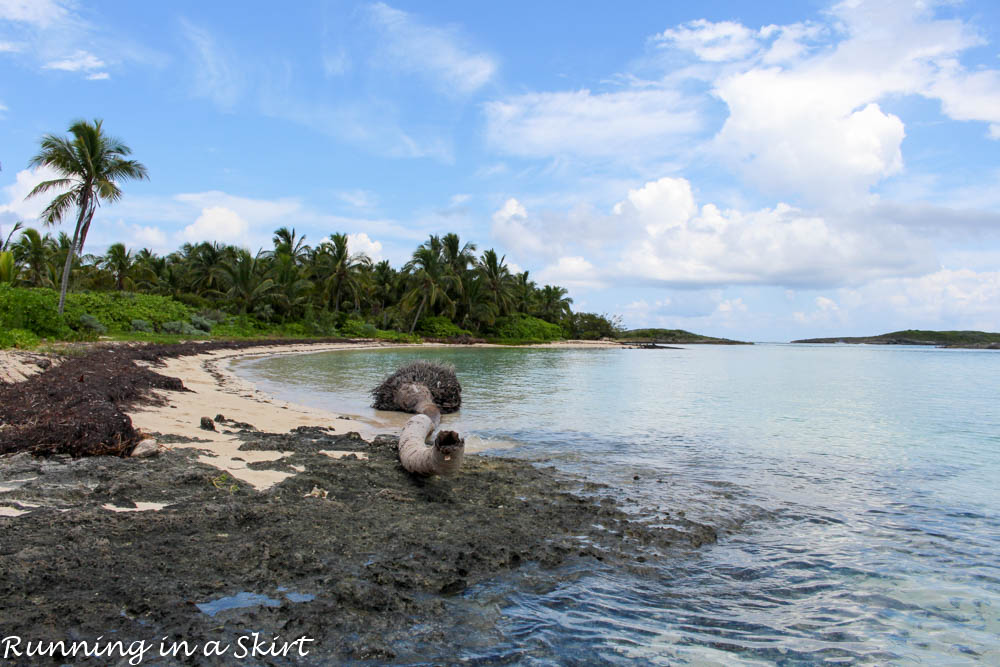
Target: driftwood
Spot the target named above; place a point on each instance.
(416, 388)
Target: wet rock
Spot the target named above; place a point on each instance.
(146, 449)
(207, 424)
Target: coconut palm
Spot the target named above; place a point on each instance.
(430, 283)
(91, 165)
(338, 270)
(245, 277)
(120, 262)
(9, 269)
(498, 283)
(34, 253)
(5, 243)
(553, 304)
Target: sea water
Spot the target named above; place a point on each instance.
(856, 490)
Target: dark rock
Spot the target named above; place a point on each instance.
(207, 424)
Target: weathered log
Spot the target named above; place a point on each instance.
(407, 390)
(444, 457)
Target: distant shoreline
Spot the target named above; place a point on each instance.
(975, 340)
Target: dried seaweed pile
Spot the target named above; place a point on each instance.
(439, 378)
(78, 406)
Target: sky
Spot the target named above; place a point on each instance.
(763, 171)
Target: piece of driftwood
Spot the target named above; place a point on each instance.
(417, 388)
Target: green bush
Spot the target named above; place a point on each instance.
(397, 336)
(32, 309)
(591, 326)
(19, 338)
(179, 328)
(213, 315)
(355, 328)
(90, 324)
(525, 328)
(201, 323)
(439, 326)
(142, 326)
(116, 310)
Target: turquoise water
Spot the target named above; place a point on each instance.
(856, 490)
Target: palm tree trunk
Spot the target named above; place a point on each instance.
(417, 318)
(64, 286)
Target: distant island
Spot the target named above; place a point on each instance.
(964, 339)
(673, 336)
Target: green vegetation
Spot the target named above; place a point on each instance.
(673, 336)
(292, 290)
(918, 337)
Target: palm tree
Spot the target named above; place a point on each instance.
(384, 281)
(33, 252)
(554, 305)
(246, 279)
(431, 280)
(338, 269)
(9, 269)
(287, 243)
(4, 245)
(524, 292)
(498, 281)
(120, 262)
(91, 164)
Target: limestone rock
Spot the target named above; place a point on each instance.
(145, 449)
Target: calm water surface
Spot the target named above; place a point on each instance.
(856, 490)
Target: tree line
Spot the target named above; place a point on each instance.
(445, 282)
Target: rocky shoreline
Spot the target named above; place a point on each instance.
(347, 550)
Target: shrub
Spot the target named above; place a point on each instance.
(179, 328)
(90, 324)
(524, 328)
(397, 336)
(19, 338)
(116, 310)
(439, 326)
(142, 326)
(213, 315)
(202, 323)
(591, 326)
(355, 328)
(32, 309)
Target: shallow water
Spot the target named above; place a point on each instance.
(856, 489)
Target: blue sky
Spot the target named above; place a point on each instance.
(759, 170)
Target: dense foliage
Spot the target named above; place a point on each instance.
(445, 291)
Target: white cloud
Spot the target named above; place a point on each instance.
(42, 13)
(363, 199)
(16, 207)
(710, 41)
(79, 61)
(9, 47)
(361, 243)
(410, 45)
(954, 299)
(217, 223)
(571, 272)
(806, 100)
(217, 76)
(621, 125)
(98, 76)
(510, 230)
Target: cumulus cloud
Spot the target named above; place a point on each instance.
(659, 234)
(217, 223)
(15, 206)
(804, 99)
(438, 53)
(42, 13)
(361, 243)
(710, 41)
(572, 272)
(78, 61)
